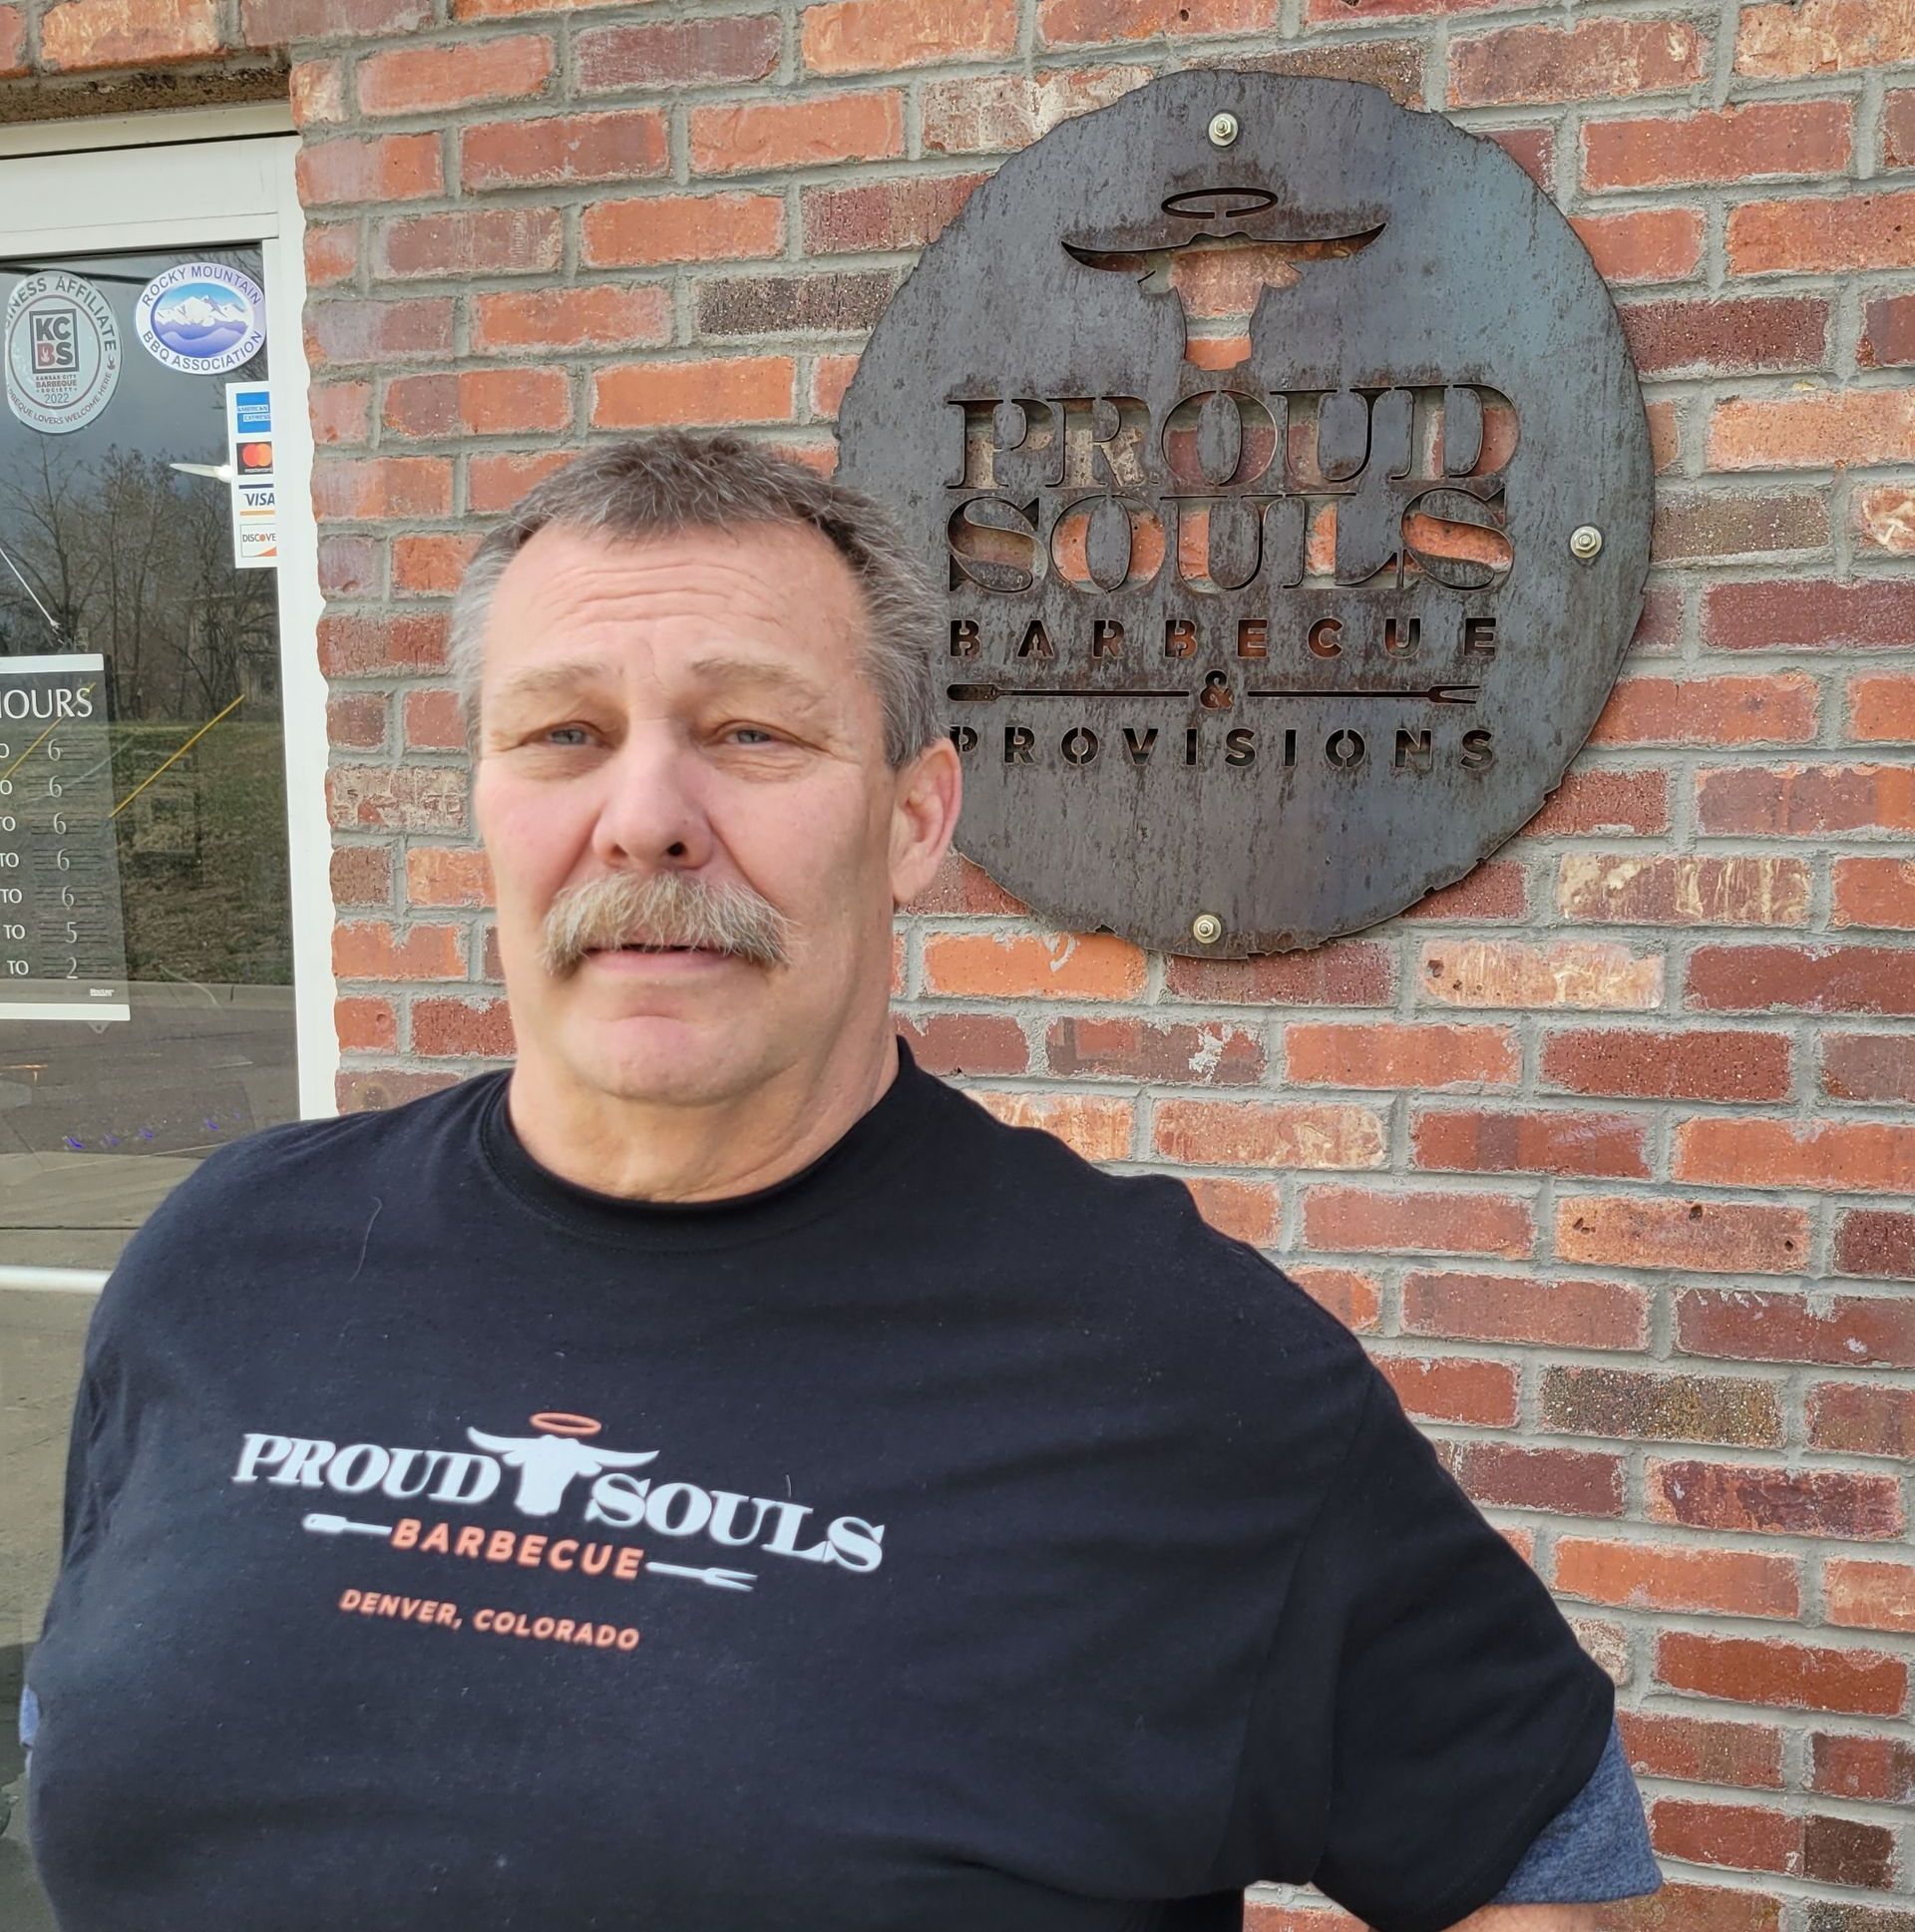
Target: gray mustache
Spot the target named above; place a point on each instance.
(667, 909)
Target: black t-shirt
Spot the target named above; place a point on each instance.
(951, 1536)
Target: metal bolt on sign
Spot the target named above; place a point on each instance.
(1586, 542)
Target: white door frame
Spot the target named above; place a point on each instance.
(210, 178)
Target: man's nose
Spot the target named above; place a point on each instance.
(652, 812)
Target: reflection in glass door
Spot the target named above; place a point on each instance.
(144, 702)
(148, 927)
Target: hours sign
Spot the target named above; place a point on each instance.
(1281, 460)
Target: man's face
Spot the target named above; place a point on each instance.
(690, 714)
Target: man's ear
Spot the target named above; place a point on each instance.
(929, 793)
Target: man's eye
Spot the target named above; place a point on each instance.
(750, 734)
(566, 734)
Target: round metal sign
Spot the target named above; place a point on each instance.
(61, 352)
(1282, 459)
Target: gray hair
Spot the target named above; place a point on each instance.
(660, 484)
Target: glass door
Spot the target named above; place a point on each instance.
(160, 807)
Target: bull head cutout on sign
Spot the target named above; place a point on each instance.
(1216, 254)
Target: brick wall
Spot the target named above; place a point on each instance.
(1607, 1149)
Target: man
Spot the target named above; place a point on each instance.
(717, 1475)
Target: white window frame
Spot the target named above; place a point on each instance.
(221, 175)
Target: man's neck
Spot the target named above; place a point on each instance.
(641, 1151)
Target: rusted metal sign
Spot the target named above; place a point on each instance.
(1284, 461)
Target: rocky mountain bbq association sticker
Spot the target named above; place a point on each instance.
(61, 352)
(202, 317)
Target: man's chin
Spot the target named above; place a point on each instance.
(660, 1058)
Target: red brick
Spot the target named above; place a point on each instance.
(362, 875)
(1712, 335)
(961, 887)
(600, 315)
(1230, 1133)
(1692, 1908)
(1829, 429)
(1860, 1595)
(1889, 332)
(1810, 615)
(356, 720)
(1506, 1475)
(1732, 1409)
(728, 51)
(1735, 144)
(1097, 1126)
(1390, 1053)
(1712, 1237)
(472, 241)
(1802, 801)
(1847, 1852)
(1682, 891)
(1751, 1500)
(353, 645)
(1533, 149)
(621, 144)
(1210, 1054)
(996, 113)
(756, 134)
(1883, 518)
(1852, 1332)
(1354, 1220)
(376, 950)
(370, 488)
(880, 36)
(1818, 980)
(1861, 1420)
(1836, 1156)
(1559, 972)
(1786, 38)
(1745, 1838)
(683, 227)
(1868, 1066)
(366, 1025)
(1353, 1298)
(1777, 709)
(500, 9)
(1879, 1768)
(830, 377)
(385, 168)
(1701, 1750)
(1754, 1669)
(1714, 523)
(1498, 889)
(870, 216)
(1511, 1308)
(1347, 973)
(373, 1089)
(13, 43)
(434, 720)
(654, 395)
(355, 332)
(1817, 236)
(1664, 1576)
(1099, 23)
(1022, 967)
(497, 482)
(1395, 65)
(1898, 128)
(461, 1028)
(1248, 1211)
(1881, 710)
(1638, 1064)
(446, 876)
(317, 90)
(1450, 1389)
(479, 402)
(1876, 893)
(331, 253)
(839, 302)
(1644, 245)
(340, 412)
(430, 79)
(349, 565)
(403, 798)
(277, 23)
(83, 34)
(1604, 801)
(1876, 1243)
(1481, 1142)
(1613, 58)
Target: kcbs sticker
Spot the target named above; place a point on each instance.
(62, 353)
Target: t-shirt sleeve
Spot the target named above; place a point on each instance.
(1425, 1709)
